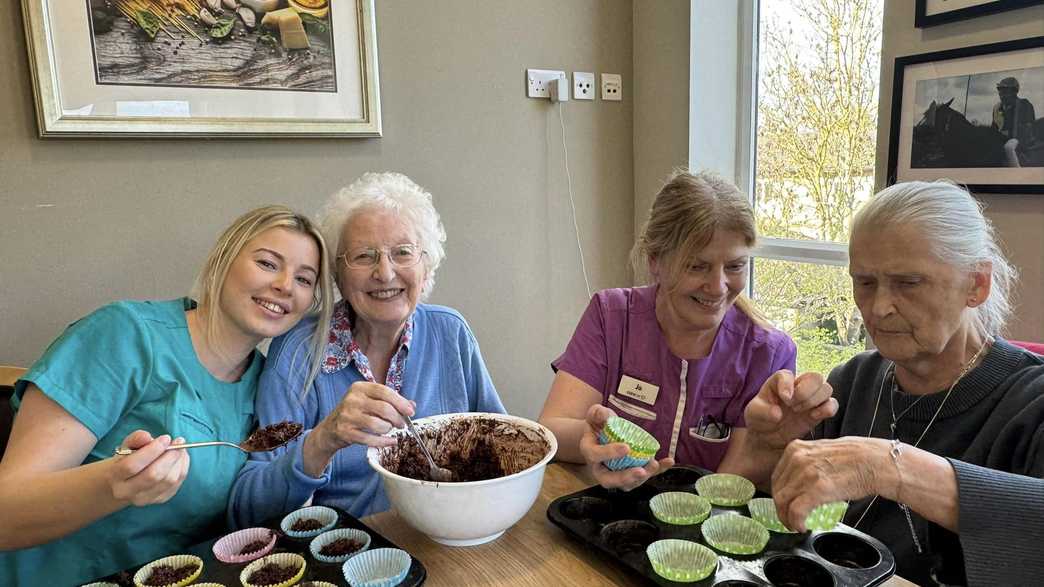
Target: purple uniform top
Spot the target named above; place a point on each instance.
(619, 350)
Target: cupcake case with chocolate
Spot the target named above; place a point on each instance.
(215, 571)
(620, 526)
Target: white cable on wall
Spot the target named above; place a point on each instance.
(572, 204)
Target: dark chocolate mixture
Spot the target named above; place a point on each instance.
(254, 546)
(474, 449)
(306, 525)
(167, 575)
(272, 436)
(272, 574)
(340, 547)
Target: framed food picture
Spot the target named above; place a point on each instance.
(974, 115)
(190, 68)
(932, 12)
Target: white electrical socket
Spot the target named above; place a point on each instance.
(612, 87)
(537, 82)
(583, 85)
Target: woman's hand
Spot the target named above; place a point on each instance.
(151, 474)
(812, 473)
(365, 414)
(787, 408)
(596, 454)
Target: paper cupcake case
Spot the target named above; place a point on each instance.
(317, 544)
(622, 527)
(725, 490)
(734, 534)
(826, 516)
(323, 574)
(679, 508)
(382, 567)
(683, 561)
(763, 511)
(229, 549)
(643, 446)
(177, 561)
(618, 429)
(326, 516)
(284, 559)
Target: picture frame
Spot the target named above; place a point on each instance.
(104, 68)
(935, 12)
(962, 114)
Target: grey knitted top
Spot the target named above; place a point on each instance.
(992, 431)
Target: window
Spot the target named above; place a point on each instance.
(814, 142)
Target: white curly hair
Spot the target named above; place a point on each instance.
(386, 191)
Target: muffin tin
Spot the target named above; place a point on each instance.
(620, 526)
(228, 573)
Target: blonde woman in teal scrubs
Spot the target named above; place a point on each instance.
(148, 375)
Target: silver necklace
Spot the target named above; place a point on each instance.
(891, 402)
(880, 392)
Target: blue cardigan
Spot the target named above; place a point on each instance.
(444, 374)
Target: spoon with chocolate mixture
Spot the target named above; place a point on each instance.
(437, 473)
(262, 440)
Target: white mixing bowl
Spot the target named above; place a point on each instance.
(465, 513)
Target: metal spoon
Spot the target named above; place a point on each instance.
(251, 444)
(437, 473)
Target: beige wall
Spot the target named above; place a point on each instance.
(661, 97)
(88, 221)
(1019, 219)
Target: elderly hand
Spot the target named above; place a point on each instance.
(786, 408)
(151, 474)
(812, 473)
(365, 414)
(596, 454)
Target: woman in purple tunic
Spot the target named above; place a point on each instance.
(680, 357)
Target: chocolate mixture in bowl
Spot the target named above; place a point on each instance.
(272, 436)
(474, 449)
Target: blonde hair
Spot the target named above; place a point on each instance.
(211, 279)
(682, 221)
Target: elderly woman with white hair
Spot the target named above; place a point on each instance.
(387, 356)
(936, 438)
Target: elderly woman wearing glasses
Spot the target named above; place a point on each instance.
(387, 357)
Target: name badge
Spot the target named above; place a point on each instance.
(638, 389)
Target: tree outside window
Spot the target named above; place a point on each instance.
(818, 71)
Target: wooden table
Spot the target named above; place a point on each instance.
(532, 552)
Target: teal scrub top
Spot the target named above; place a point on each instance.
(129, 366)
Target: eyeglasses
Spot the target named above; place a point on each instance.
(404, 255)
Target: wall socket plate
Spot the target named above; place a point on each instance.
(537, 82)
(583, 85)
(612, 87)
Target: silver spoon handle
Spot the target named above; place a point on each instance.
(424, 449)
(126, 451)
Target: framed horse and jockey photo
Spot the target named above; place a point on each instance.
(974, 115)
